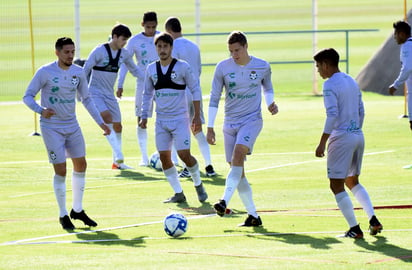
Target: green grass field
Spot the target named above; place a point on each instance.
(290, 186)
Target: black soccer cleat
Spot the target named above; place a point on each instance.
(251, 221)
(66, 223)
(354, 232)
(83, 217)
(375, 226)
(210, 172)
(220, 207)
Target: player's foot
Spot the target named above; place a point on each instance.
(83, 217)
(66, 223)
(201, 193)
(251, 221)
(375, 226)
(177, 198)
(184, 173)
(210, 172)
(121, 166)
(144, 163)
(220, 207)
(354, 232)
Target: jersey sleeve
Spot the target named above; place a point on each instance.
(34, 87)
(148, 93)
(331, 106)
(406, 69)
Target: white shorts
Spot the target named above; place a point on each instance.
(138, 99)
(168, 132)
(345, 153)
(241, 133)
(62, 143)
(108, 103)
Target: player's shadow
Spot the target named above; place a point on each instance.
(205, 209)
(108, 239)
(291, 238)
(381, 245)
(133, 175)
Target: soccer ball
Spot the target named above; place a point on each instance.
(175, 224)
(155, 161)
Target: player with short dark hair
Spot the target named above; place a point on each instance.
(60, 82)
(343, 130)
(165, 83)
(244, 78)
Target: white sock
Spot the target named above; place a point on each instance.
(346, 207)
(245, 194)
(232, 181)
(59, 185)
(173, 179)
(142, 141)
(113, 141)
(363, 198)
(204, 147)
(175, 158)
(78, 184)
(195, 174)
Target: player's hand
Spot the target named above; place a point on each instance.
(119, 92)
(392, 90)
(47, 113)
(210, 136)
(143, 123)
(106, 129)
(320, 150)
(273, 108)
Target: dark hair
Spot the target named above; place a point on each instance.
(173, 23)
(121, 30)
(402, 26)
(63, 41)
(329, 56)
(150, 16)
(237, 36)
(165, 37)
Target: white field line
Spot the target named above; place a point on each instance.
(99, 230)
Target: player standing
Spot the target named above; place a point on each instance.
(59, 83)
(165, 83)
(102, 67)
(188, 51)
(243, 77)
(143, 48)
(343, 129)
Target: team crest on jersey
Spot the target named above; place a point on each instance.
(253, 75)
(173, 75)
(75, 80)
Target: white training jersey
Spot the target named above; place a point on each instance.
(243, 88)
(171, 103)
(405, 74)
(58, 92)
(187, 50)
(144, 51)
(343, 103)
(102, 82)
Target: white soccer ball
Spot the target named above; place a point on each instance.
(155, 161)
(175, 224)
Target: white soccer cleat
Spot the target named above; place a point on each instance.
(121, 166)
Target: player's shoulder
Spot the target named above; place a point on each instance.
(259, 61)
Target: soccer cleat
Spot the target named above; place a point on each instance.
(83, 217)
(201, 193)
(210, 172)
(375, 226)
(251, 221)
(354, 232)
(184, 173)
(220, 207)
(177, 198)
(66, 223)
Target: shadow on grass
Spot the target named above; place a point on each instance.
(134, 175)
(109, 239)
(381, 245)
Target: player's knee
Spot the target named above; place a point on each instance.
(117, 127)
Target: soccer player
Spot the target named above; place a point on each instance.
(59, 83)
(101, 67)
(188, 51)
(402, 35)
(243, 77)
(143, 48)
(343, 129)
(165, 83)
